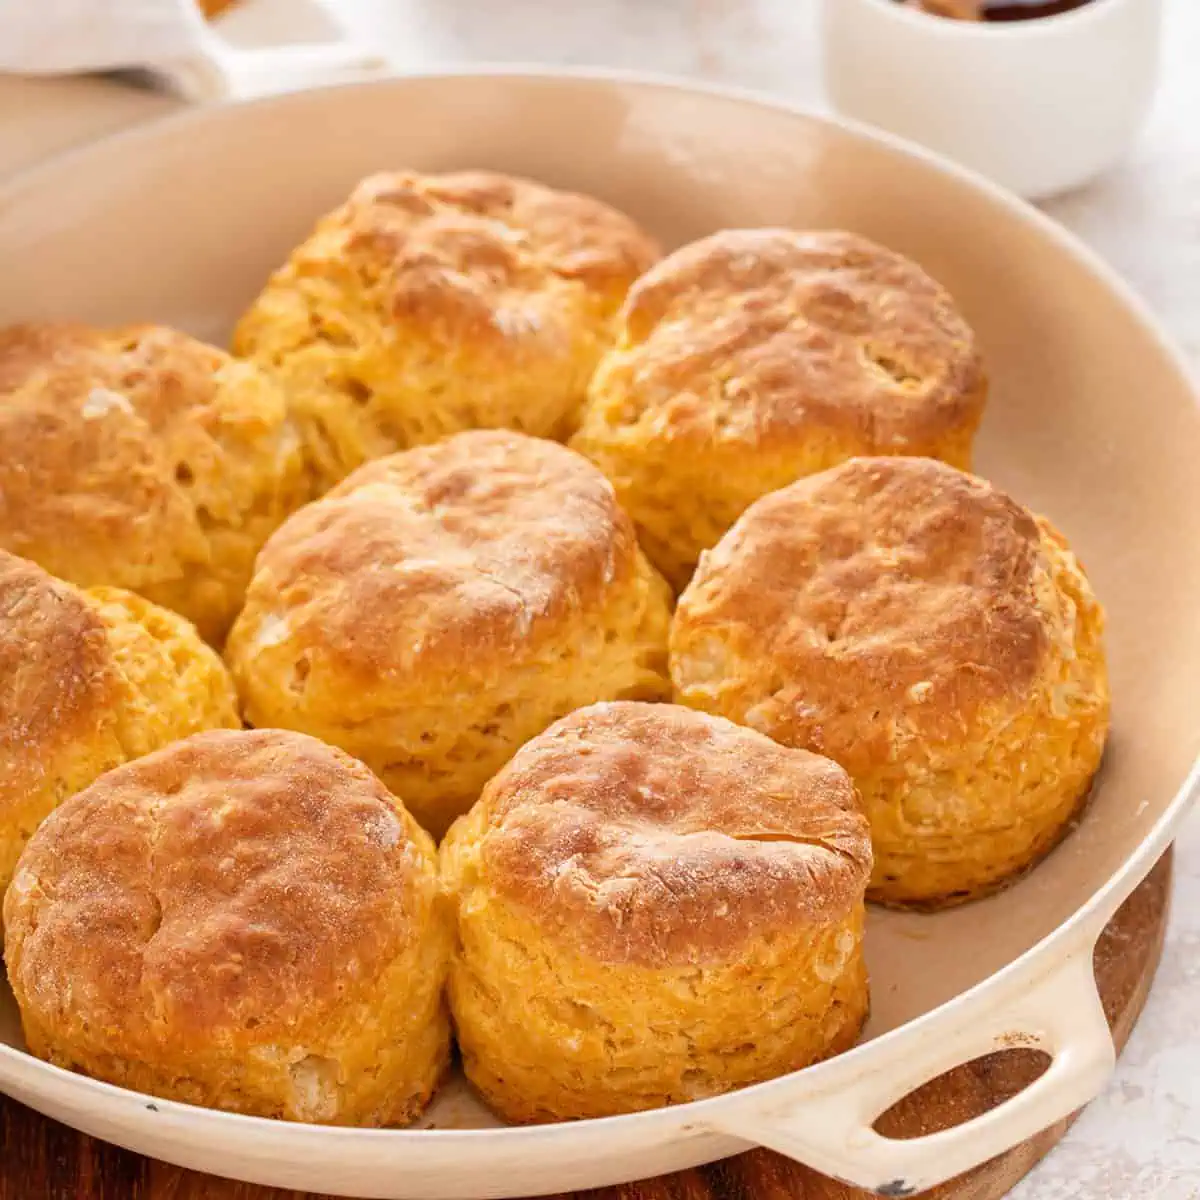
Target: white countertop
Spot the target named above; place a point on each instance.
(1141, 1139)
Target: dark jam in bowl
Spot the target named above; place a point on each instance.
(997, 10)
(1030, 12)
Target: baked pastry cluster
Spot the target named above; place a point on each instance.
(142, 458)
(443, 605)
(244, 920)
(922, 629)
(430, 304)
(753, 357)
(88, 680)
(655, 906)
(888, 677)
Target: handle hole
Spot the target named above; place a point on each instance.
(961, 1095)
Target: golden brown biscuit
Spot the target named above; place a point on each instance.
(754, 357)
(430, 304)
(87, 681)
(247, 921)
(444, 605)
(925, 631)
(142, 458)
(654, 906)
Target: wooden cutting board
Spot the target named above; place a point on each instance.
(42, 1160)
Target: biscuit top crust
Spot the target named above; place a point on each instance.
(235, 885)
(756, 336)
(468, 550)
(122, 450)
(465, 251)
(656, 835)
(58, 687)
(887, 598)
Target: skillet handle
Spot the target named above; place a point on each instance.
(832, 1133)
(221, 72)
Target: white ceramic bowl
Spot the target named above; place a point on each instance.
(1092, 420)
(1039, 106)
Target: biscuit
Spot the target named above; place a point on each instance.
(87, 681)
(141, 458)
(654, 906)
(430, 304)
(244, 920)
(751, 358)
(922, 629)
(444, 605)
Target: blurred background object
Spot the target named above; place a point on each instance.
(1039, 105)
(170, 44)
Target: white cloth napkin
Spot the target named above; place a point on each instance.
(172, 43)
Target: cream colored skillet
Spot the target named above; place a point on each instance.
(1092, 421)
